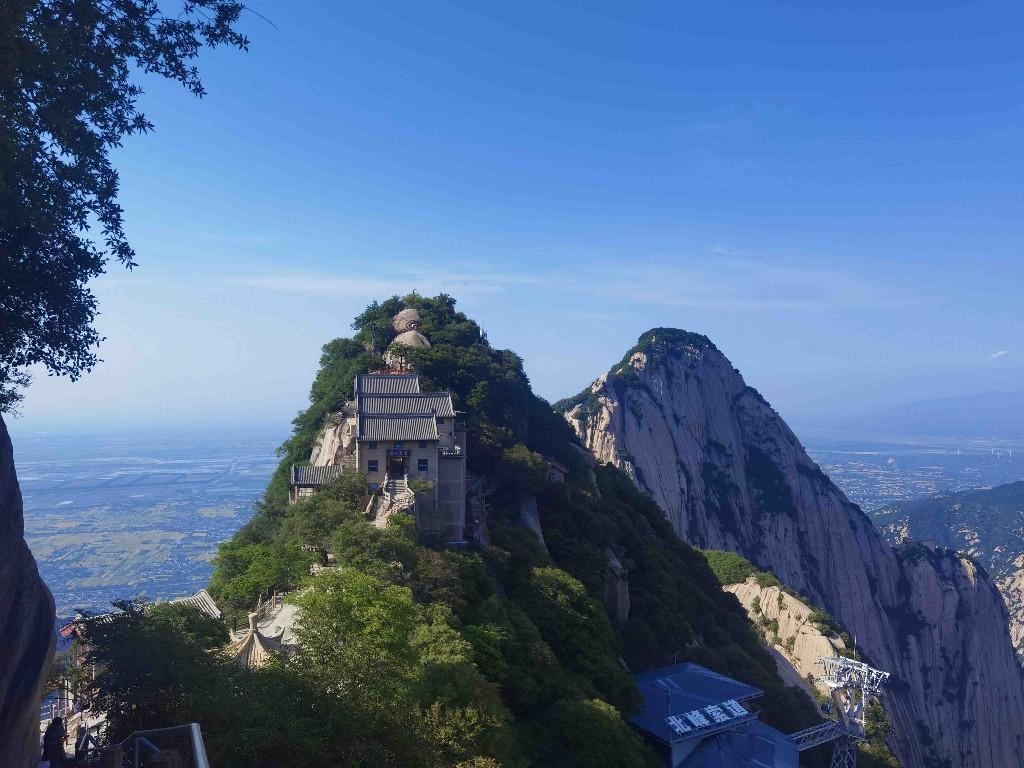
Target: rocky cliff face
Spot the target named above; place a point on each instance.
(729, 473)
(985, 524)
(788, 629)
(1012, 587)
(26, 625)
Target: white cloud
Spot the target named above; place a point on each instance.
(427, 282)
(720, 282)
(716, 282)
(997, 355)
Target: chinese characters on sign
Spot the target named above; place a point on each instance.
(698, 718)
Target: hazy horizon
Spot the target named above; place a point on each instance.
(575, 176)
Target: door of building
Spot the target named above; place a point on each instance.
(398, 462)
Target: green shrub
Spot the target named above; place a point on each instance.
(728, 567)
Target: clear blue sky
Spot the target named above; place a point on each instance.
(832, 191)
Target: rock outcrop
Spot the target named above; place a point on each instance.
(729, 474)
(27, 633)
(787, 626)
(1012, 587)
(529, 518)
(984, 524)
(616, 588)
(336, 441)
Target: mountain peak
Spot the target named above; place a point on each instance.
(729, 474)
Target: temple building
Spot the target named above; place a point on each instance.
(409, 444)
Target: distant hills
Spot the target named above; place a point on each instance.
(987, 414)
(985, 524)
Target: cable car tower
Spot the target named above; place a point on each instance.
(852, 684)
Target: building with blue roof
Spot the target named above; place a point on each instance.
(696, 718)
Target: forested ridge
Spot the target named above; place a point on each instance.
(416, 656)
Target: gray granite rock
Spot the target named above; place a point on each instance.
(730, 474)
(26, 625)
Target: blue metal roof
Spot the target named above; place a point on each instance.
(690, 703)
(673, 692)
(753, 745)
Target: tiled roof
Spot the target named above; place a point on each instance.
(439, 403)
(203, 602)
(254, 650)
(200, 600)
(386, 383)
(315, 475)
(398, 428)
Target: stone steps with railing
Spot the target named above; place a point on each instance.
(395, 496)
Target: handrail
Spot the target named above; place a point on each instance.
(144, 740)
(816, 735)
(375, 499)
(59, 708)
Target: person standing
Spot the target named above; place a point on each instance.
(53, 742)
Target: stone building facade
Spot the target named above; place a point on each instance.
(396, 435)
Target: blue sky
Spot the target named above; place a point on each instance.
(832, 191)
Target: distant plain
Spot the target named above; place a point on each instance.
(880, 471)
(139, 513)
(136, 513)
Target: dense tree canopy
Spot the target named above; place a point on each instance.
(67, 96)
(531, 616)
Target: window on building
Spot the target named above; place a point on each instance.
(440, 419)
(423, 465)
(424, 444)
(372, 446)
(371, 465)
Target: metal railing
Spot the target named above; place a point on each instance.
(816, 735)
(59, 708)
(185, 740)
(378, 497)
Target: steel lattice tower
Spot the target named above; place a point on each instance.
(853, 684)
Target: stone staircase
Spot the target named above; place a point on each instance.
(395, 496)
(396, 486)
